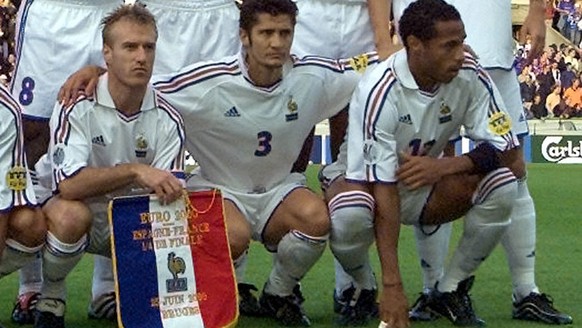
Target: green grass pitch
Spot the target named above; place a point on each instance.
(557, 191)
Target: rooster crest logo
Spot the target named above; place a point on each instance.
(176, 265)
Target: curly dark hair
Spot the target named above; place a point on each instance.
(420, 17)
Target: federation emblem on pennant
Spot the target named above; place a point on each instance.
(177, 266)
(172, 263)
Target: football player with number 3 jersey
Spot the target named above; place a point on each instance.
(246, 118)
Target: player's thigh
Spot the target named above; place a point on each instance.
(514, 160)
(319, 20)
(301, 210)
(36, 139)
(450, 199)
(209, 27)
(238, 229)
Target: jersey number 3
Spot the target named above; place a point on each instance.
(264, 148)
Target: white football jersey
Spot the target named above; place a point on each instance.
(390, 115)
(488, 28)
(93, 133)
(16, 185)
(247, 137)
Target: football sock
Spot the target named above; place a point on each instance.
(58, 260)
(296, 254)
(519, 242)
(102, 276)
(484, 224)
(240, 266)
(15, 256)
(30, 276)
(432, 245)
(352, 233)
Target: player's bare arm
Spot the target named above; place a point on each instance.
(90, 182)
(534, 25)
(393, 302)
(82, 81)
(419, 171)
(379, 11)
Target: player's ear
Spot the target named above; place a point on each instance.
(414, 43)
(245, 37)
(107, 53)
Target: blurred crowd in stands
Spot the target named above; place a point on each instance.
(7, 36)
(551, 86)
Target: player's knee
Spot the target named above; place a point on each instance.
(351, 215)
(313, 219)
(498, 189)
(68, 220)
(239, 238)
(28, 226)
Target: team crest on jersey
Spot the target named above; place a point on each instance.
(141, 146)
(16, 178)
(499, 123)
(58, 156)
(445, 113)
(176, 266)
(292, 108)
(359, 63)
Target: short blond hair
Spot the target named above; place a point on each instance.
(136, 13)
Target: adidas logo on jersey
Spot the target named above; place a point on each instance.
(405, 119)
(98, 141)
(232, 112)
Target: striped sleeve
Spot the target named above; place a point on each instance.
(16, 183)
(372, 147)
(171, 142)
(70, 146)
(487, 118)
